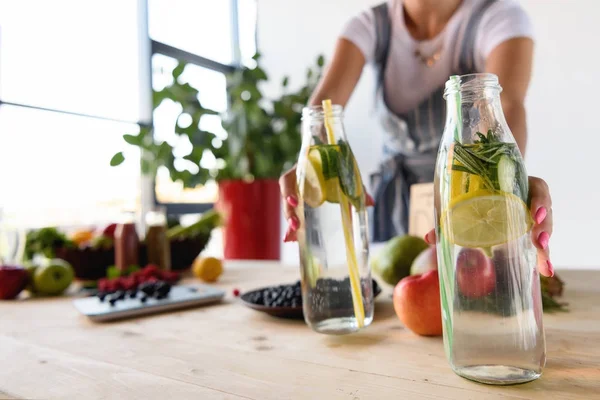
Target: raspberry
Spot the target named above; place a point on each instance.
(170, 276)
(103, 285)
(151, 270)
(236, 292)
(128, 283)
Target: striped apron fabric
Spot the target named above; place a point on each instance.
(411, 140)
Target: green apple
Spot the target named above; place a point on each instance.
(30, 266)
(52, 277)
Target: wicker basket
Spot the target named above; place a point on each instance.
(91, 264)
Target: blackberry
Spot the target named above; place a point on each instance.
(326, 295)
(120, 295)
(148, 288)
(133, 293)
(112, 301)
(162, 289)
(101, 296)
(143, 299)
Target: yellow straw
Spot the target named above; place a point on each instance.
(353, 272)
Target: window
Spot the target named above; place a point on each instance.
(213, 38)
(70, 61)
(69, 89)
(55, 167)
(75, 76)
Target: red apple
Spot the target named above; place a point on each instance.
(110, 231)
(475, 273)
(12, 281)
(417, 303)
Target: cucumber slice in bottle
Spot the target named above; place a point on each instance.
(507, 171)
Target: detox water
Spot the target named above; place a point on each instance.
(489, 283)
(337, 290)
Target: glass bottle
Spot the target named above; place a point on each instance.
(489, 283)
(127, 243)
(337, 289)
(158, 247)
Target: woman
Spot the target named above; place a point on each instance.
(415, 45)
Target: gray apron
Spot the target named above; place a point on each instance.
(411, 139)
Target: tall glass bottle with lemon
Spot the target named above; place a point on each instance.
(489, 283)
(337, 290)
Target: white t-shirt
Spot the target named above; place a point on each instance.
(407, 79)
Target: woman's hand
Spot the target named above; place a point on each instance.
(541, 212)
(289, 194)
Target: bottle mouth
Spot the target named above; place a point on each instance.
(471, 83)
(318, 112)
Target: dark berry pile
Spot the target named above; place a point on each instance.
(278, 296)
(150, 273)
(327, 293)
(155, 289)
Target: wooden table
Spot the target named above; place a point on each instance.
(227, 351)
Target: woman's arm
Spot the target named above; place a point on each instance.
(512, 61)
(341, 75)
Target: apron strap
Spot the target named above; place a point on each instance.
(466, 60)
(383, 30)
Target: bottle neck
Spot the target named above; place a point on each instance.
(320, 127)
(473, 105)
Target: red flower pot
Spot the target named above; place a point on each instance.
(252, 213)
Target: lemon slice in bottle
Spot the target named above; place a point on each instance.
(485, 218)
(321, 182)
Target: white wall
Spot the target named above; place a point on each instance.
(563, 123)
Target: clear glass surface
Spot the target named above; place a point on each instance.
(336, 280)
(489, 283)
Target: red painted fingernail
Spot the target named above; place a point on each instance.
(292, 201)
(543, 239)
(294, 223)
(550, 268)
(427, 238)
(540, 215)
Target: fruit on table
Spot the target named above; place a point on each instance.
(155, 289)
(13, 280)
(394, 261)
(52, 277)
(110, 231)
(485, 219)
(425, 261)
(417, 303)
(207, 268)
(475, 273)
(150, 273)
(81, 237)
(103, 241)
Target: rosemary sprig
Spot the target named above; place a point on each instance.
(482, 156)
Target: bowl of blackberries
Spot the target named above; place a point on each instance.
(285, 301)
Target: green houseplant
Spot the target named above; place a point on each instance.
(263, 140)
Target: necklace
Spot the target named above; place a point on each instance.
(429, 59)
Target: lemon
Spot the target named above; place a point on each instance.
(321, 181)
(484, 218)
(207, 268)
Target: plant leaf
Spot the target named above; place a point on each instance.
(117, 159)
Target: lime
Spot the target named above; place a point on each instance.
(485, 218)
(321, 182)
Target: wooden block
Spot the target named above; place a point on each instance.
(420, 216)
